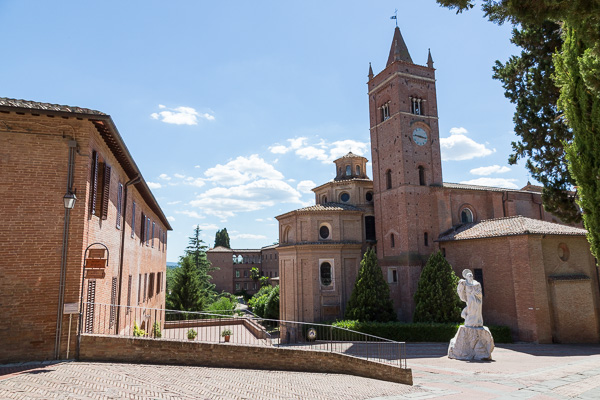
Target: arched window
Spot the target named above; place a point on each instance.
(348, 170)
(286, 235)
(466, 216)
(325, 272)
(392, 240)
(324, 200)
(421, 175)
(388, 179)
(358, 170)
(426, 239)
(370, 227)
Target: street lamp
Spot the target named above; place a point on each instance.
(69, 200)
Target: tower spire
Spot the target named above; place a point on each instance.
(429, 59)
(370, 72)
(398, 51)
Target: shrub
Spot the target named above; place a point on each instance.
(417, 332)
(156, 330)
(191, 334)
(137, 332)
(223, 305)
(265, 303)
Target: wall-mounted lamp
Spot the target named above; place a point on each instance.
(69, 200)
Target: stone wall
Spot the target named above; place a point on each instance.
(146, 350)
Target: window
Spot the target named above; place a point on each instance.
(392, 275)
(100, 184)
(143, 229)
(325, 272)
(444, 251)
(466, 216)
(158, 282)
(237, 273)
(358, 170)
(93, 182)
(416, 106)
(254, 285)
(370, 227)
(324, 232)
(152, 237)
(478, 276)
(369, 197)
(147, 231)
(245, 273)
(324, 199)
(151, 286)
(392, 241)
(348, 170)
(139, 289)
(237, 286)
(421, 175)
(164, 240)
(426, 239)
(246, 286)
(119, 206)
(388, 179)
(133, 219)
(345, 197)
(385, 111)
(145, 286)
(159, 237)
(129, 282)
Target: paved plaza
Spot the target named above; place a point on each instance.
(519, 371)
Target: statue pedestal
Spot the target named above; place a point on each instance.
(471, 343)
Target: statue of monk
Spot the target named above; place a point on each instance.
(469, 291)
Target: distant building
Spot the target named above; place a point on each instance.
(48, 152)
(233, 267)
(539, 277)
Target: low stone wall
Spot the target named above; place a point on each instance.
(257, 330)
(157, 351)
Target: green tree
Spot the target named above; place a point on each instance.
(527, 81)
(370, 299)
(436, 298)
(186, 292)
(254, 273)
(222, 238)
(263, 281)
(265, 303)
(197, 252)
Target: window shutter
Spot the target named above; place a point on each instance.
(119, 202)
(93, 182)
(105, 191)
(142, 228)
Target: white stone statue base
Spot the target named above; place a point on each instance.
(471, 343)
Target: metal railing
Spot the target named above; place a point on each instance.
(244, 329)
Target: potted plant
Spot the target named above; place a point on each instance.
(137, 332)
(191, 334)
(226, 333)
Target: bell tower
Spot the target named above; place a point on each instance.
(407, 168)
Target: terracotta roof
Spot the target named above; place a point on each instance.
(466, 186)
(509, 226)
(107, 130)
(398, 51)
(330, 207)
(220, 249)
(351, 155)
(273, 246)
(36, 105)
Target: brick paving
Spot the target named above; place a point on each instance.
(519, 371)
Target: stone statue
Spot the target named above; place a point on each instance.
(469, 291)
(473, 341)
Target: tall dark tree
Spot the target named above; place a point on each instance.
(186, 291)
(527, 81)
(370, 299)
(436, 299)
(222, 238)
(196, 250)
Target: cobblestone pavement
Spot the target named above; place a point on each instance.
(519, 371)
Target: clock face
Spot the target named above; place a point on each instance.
(420, 136)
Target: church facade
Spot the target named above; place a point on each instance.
(527, 260)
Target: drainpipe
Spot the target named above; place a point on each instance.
(133, 181)
(65, 245)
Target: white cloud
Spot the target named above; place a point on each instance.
(164, 177)
(242, 170)
(173, 202)
(305, 186)
(180, 115)
(154, 185)
(247, 236)
(198, 182)
(459, 147)
(264, 219)
(170, 218)
(321, 151)
(205, 227)
(494, 182)
(179, 176)
(191, 214)
(492, 169)
(225, 202)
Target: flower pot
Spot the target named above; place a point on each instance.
(226, 338)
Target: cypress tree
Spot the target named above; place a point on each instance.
(370, 299)
(222, 238)
(186, 293)
(436, 298)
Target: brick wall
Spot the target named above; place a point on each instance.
(144, 350)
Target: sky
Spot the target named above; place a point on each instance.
(234, 110)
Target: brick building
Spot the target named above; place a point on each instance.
(49, 152)
(407, 212)
(233, 267)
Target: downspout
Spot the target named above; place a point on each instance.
(133, 181)
(65, 245)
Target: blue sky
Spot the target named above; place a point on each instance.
(235, 110)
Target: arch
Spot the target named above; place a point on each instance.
(358, 170)
(324, 199)
(326, 273)
(388, 179)
(348, 170)
(466, 215)
(286, 234)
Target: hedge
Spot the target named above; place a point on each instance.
(418, 332)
